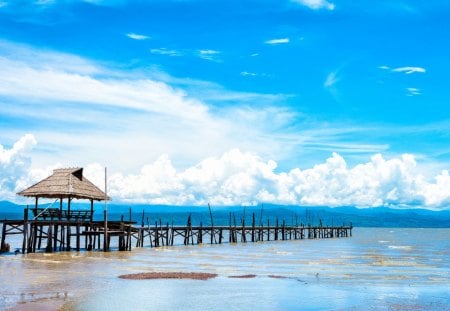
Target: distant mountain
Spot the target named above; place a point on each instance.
(367, 217)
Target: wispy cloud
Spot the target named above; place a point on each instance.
(44, 2)
(254, 54)
(165, 51)
(410, 70)
(51, 87)
(407, 70)
(248, 74)
(211, 55)
(136, 36)
(277, 41)
(412, 91)
(316, 4)
(331, 79)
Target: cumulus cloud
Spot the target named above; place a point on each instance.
(316, 4)
(238, 178)
(243, 178)
(15, 165)
(277, 41)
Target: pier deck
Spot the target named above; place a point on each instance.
(52, 235)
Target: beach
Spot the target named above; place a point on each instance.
(376, 269)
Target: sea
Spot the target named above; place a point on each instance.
(375, 269)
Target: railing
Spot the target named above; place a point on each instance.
(56, 214)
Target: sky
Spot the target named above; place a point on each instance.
(304, 102)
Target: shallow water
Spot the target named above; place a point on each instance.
(376, 269)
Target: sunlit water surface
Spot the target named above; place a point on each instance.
(376, 269)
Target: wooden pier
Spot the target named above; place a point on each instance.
(53, 229)
(82, 233)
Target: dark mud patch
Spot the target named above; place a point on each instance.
(168, 275)
(244, 276)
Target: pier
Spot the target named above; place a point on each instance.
(62, 228)
(51, 235)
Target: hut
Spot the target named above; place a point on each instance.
(64, 183)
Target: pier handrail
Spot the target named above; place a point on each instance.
(44, 210)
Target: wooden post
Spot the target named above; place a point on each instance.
(235, 228)
(35, 237)
(2, 244)
(30, 238)
(25, 227)
(276, 230)
(129, 237)
(49, 248)
(212, 224)
(62, 240)
(78, 236)
(69, 236)
(40, 236)
(253, 227)
(121, 235)
(55, 237)
(156, 234)
(60, 208)
(105, 218)
(243, 236)
(105, 230)
(230, 239)
(167, 234)
(92, 211)
(173, 235)
(68, 207)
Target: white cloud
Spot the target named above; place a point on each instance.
(331, 79)
(277, 41)
(254, 54)
(165, 51)
(384, 67)
(83, 103)
(136, 36)
(316, 4)
(409, 70)
(412, 91)
(242, 178)
(14, 165)
(209, 55)
(246, 74)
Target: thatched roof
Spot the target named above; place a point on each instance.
(65, 183)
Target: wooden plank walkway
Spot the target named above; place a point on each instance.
(52, 235)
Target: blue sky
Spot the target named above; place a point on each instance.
(123, 83)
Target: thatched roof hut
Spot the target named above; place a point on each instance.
(65, 183)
